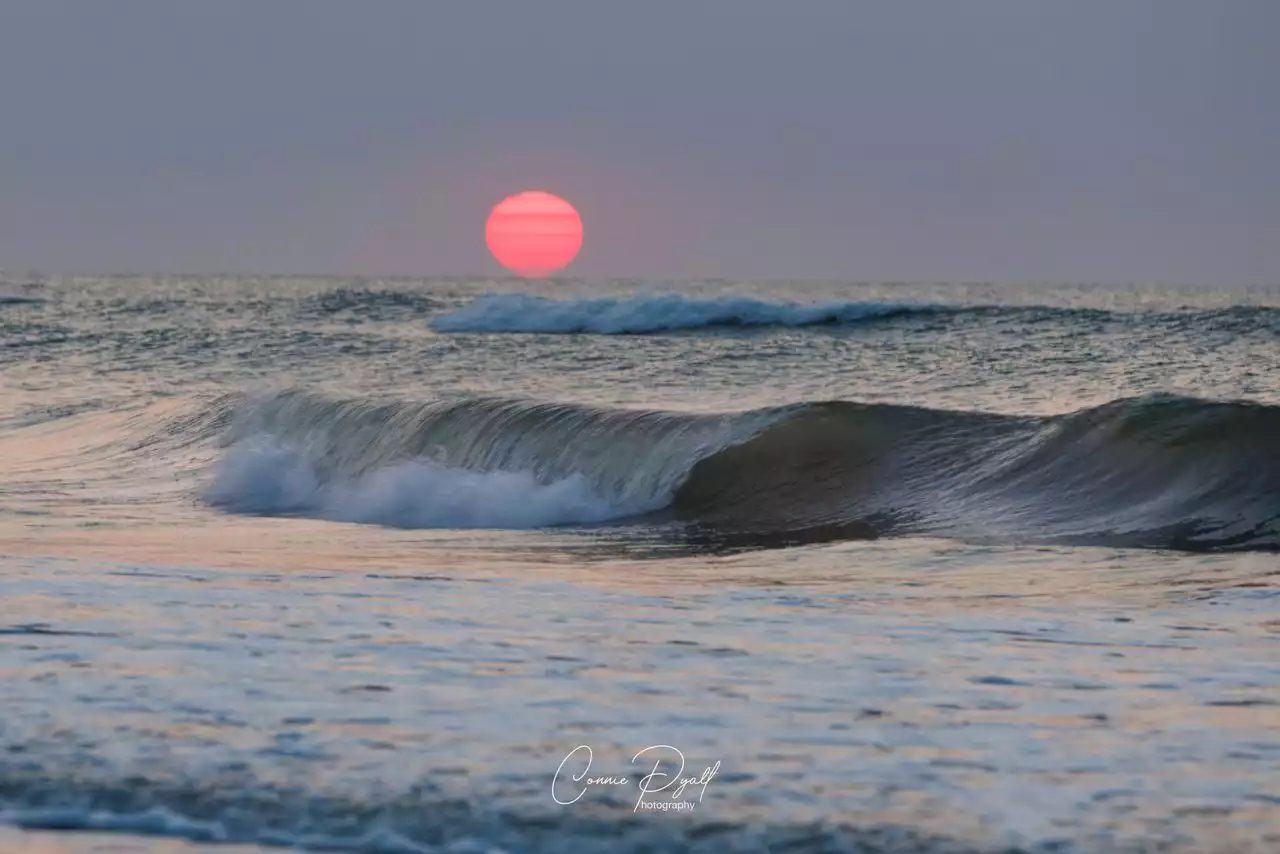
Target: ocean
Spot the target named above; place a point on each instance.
(463, 565)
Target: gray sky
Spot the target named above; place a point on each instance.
(1099, 140)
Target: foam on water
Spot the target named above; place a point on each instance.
(270, 480)
(333, 710)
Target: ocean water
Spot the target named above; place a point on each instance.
(615, 566)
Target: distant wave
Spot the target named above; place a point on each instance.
(638, 315)
(1158, 471)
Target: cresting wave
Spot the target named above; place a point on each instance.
(1157, 471)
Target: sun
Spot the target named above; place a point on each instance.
(534, 234)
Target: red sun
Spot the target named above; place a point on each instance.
(534, 234)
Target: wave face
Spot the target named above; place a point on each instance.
(639, 315)
(1158, 472)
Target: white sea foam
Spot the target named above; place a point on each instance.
(269, 480)
(515, 312)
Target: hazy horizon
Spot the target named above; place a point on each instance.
(646, 280)
(826, 141)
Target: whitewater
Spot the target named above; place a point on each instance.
(355, 564)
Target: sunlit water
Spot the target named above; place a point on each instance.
(245, 619)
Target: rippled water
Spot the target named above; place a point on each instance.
(272, 570)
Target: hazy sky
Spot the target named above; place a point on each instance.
(1099, 140)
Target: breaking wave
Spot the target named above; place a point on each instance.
(1156, 471)
(638, 315)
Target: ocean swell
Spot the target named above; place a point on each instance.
(1157, 471)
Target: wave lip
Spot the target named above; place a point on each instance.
(638, 315)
